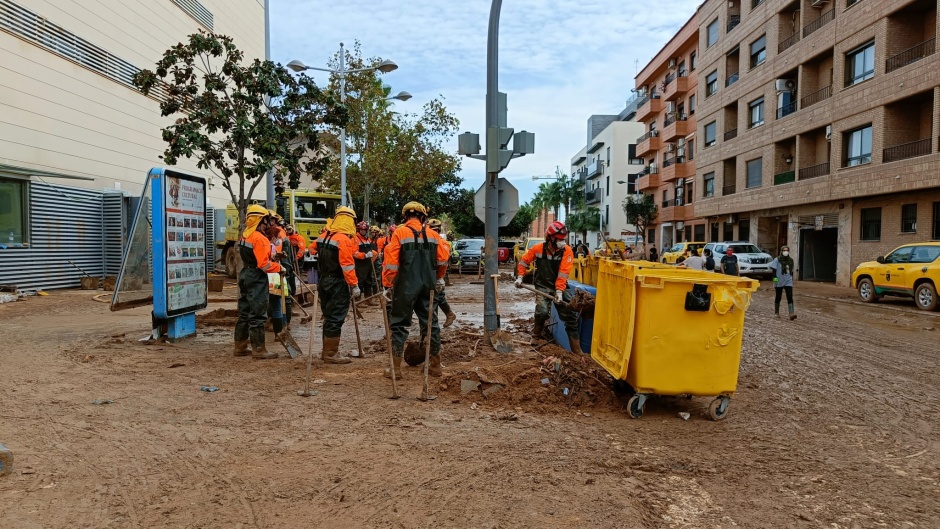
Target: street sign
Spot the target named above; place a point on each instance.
(508, 202)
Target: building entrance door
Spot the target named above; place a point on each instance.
(818, 251)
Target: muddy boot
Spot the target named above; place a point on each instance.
(776, 310)
(451, 318)
(792, 311)
(241, 348)
(397, 362)
(537, 332)
(330, 353)
(434, 368)
(575, 345)
(259, 352)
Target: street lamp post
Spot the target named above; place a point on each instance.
(384, 67)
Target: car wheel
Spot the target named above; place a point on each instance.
(231, 263)
(925, 295)
(866, 291)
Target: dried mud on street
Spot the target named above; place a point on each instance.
(834, 425)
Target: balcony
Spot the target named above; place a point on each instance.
(786, 110)
(814, 171)
(581, 173)
(674, 168)
(680, 86)
(648, 142)
(733, 21)
(651, 104)
(728, 189)
(784, 178)
(649, 182)
(595, 168)
(815, 25)
(733, 78)
(911, 55)
(731, 134)
(673, 213)
(680, 127)
(788, 42)
(593, 196)
(907, 150)
(816, 97)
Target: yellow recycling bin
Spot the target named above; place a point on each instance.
(670, 331)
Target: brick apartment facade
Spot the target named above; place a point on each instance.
(818, 126)
(668, 86)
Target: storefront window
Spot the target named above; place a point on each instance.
(13, 218)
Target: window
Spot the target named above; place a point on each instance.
(714, 231)
(608, 156)
(744, 229)
(901, 255)
(909, 218)
(858, 146)
(651, 235)
(310, 209)
(692, 61)
(689, 191)
(756, 112)
(759, 51)
(860, 64)
(692, 105)
(711, 83)
(850, 3)
(607, 189)
(710, 131)
(699, 232)
(756, 3)
(690, 150)
(607, 214)
(13, 212)
(755, 172)
(871, 224)
(936, 221)
(681, 69)
(728, 234)
(711, 34)
(925, 254)
(709, 185)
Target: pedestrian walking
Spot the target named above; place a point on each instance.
(554, 261)
(729, 264)
(440, 300)
(255, 251)
(782, 266)
(365, 260)
(415, 262)
(335, 248)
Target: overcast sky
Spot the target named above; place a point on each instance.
(560, 60)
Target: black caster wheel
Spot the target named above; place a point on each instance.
(635, 406)
(718, 409)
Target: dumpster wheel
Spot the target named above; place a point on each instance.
(718, 409)
(635, 405)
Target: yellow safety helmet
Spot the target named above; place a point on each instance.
(414, 207)
(345, 210)
(434, 224)
(256, 209)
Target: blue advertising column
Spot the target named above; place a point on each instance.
(179, 250)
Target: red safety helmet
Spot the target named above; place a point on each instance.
(363, 225)
(556, 230)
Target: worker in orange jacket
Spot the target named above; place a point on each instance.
(554, 261)
(338, 283)
(365, 260)
(255, 251)
(415, 262)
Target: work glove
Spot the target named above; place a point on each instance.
(282, 271)
(518, 282)
(558, 296)
(368, 255)
(387, 293)
(439, 287)
(356, 293)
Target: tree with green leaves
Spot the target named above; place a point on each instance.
(240, 120)
(641, 211)
(584, 220)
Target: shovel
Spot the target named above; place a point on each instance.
(388, 341)
(285, 338)
(356, 316)
(544, 295)
(427, 352)
(501, 339)
(307, 392)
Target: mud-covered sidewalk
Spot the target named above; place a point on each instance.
(834, 425)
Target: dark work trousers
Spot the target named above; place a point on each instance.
(401, 322)
(252, 305)
(334, 303)
(364, 270)
(440, 301)
(543, 311)
(779, 293)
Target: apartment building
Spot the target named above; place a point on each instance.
(818, 126)
(608, 168)
(668, 86)
(72, 125)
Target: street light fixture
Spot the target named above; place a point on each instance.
(384, 67)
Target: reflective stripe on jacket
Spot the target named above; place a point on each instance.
(551, 269)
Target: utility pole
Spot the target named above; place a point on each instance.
(269, 178)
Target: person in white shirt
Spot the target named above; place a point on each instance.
(694, 262)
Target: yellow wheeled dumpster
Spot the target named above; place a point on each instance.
(668, 331)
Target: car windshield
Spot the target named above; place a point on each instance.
(925, 254)
(469, 244)
(676, 248)
(531, 243)
(308, 209)
(745, 248)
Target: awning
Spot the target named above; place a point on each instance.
(596, 147)
(20, 171)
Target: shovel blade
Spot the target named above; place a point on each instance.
(290, 344)
(502, 341)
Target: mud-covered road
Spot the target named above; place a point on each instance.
(834, 425)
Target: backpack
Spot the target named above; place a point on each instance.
(709, 263)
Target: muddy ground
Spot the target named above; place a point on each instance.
(834, 425)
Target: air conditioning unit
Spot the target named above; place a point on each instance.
(681, 142)
(671, 107)
(670, 147)
(819, 3)
(680, 152)
(730, 219)
(828, 132)
(672, 63)
(785, 85)
(680, 225)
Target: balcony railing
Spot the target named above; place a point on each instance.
(824, 19)
(733, 21)
(733, 78)
(595, 168)
(673, 161)
(786, 110)
(788, 42)
(643, 100)
(669, 78)
(666, 203)
(652, 169)
(911, 55)
(729, 189)
(731, 134)
(593, 196)
(784, 178)
(817, 96)
(814, 171)
(907, 150)
(648, 135)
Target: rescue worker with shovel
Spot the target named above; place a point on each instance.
(441, 299)
(554, 261)
(255, 251)
(335, 248)
(364, 256)
(415, 262)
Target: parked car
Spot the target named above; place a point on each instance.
(521, 248)
(671, 256)
(752, 261)
(912, 270)
(505, 249)
(469, 254)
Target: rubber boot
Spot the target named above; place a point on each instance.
(434, 368)
(451, 318)
(241, 348)
(792, 311)
(777, 310)
(259, 352)
(396, 360)
(537, 331)
(575, 345)
(330, 353)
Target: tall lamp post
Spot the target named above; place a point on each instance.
(400, 96)
(384, 67)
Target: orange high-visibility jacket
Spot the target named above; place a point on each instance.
(261, 247)
(299, 242)
(363, 240)
(347, 247)
(564, 268)
(393, 248)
